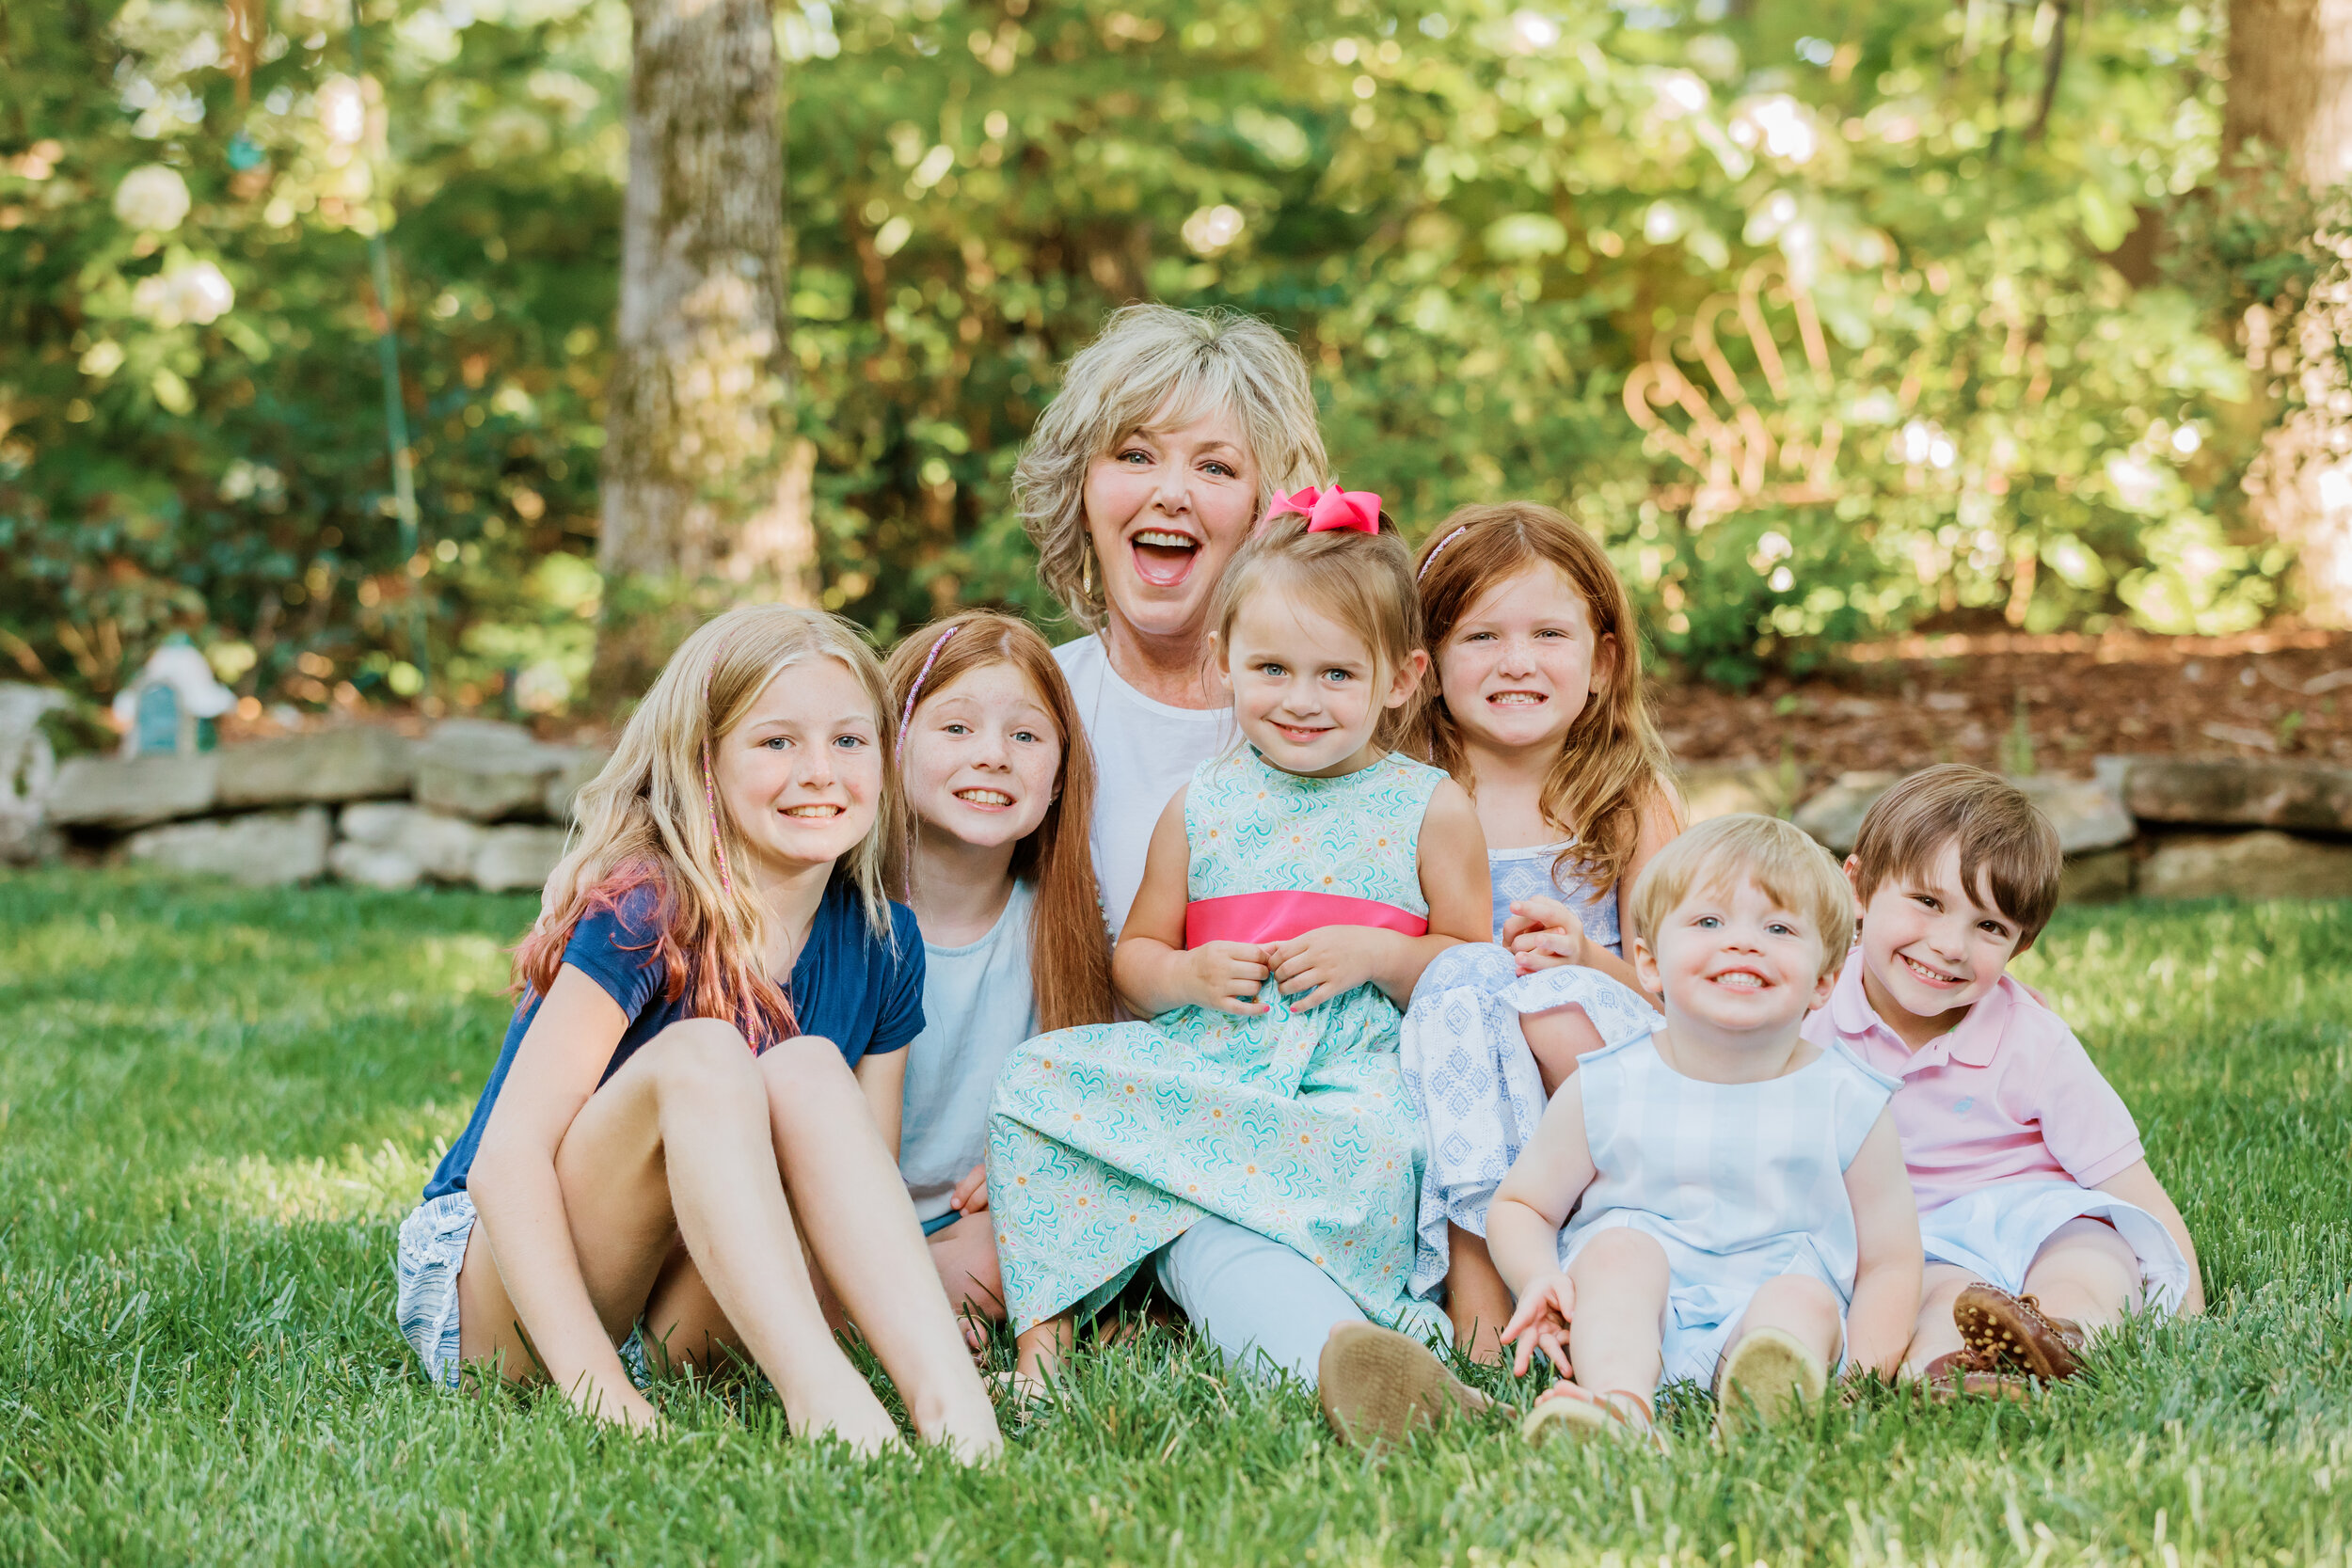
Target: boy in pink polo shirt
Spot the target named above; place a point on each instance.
(2042, 1220)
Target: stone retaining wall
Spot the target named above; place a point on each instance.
(2152, 827)
(484, 804)
(475, 803)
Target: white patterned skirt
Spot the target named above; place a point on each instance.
(1994, 1234)
(1469, 1072)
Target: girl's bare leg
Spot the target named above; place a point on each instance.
(1617, 1342)
(864, 1235)
(1041, 1350)
(1475, 1296)
(1556, 1038)
(965, 1255)
(2086, 1272)
(677, 1147)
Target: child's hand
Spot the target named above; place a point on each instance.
(1226, 975)
(1541, 1322)
(1544, 933)
(1327, 961)
(971, 1194)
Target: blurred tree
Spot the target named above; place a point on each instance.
(700, 476)
(2290, 95)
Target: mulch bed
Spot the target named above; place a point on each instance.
(2284, 693)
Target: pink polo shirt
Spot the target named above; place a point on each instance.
(2008, 1095)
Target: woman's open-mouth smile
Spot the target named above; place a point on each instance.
(1163, 556)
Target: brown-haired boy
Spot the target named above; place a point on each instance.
(2042, 1220)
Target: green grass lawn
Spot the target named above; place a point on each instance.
(215, 1105)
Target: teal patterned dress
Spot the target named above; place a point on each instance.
(1106, 1141)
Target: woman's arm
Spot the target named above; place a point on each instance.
(883, 1079)
(1317, 965)
(1151, 968)
(2138, 1185)
(1886, 1307)
(520, 1203)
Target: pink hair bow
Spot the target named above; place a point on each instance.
(1330, 508)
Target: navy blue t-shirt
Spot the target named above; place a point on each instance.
(848, 984)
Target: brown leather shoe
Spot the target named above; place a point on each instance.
(2013, 1333)
(1962, 1375)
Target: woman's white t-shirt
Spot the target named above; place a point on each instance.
(1144, 751)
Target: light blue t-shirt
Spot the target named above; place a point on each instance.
(978, 1004)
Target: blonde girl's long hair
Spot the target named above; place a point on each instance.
(1612, 762)
(653, 818)
(1070, 951)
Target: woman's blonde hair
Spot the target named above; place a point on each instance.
(647, 820)
(1155, 366)
(1069, 949)
(1796, 873)
(1363, 581)
(1612, 762)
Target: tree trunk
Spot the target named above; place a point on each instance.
(703, 476)
(2291, 86)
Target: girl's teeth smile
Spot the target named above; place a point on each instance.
(811, 813)
(1517, 699)
(983, 798)
(1739, 979)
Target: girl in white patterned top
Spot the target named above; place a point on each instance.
(1540, 716)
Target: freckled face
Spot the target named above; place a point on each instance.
(983, 758)
(1520, 665)
(802, 775)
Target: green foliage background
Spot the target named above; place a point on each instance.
(1476, 220)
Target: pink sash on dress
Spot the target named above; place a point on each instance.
(1279, 916)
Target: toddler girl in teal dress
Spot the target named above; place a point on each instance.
(1254, 1139)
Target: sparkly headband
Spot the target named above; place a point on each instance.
(710, 795)
(916, 689)
(1438, 551)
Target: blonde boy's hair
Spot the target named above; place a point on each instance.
(1797, 872)
(1155, 365)
(2008, 848)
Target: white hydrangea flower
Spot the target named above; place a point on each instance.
(152, 197)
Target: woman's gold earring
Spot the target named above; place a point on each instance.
(1086, 579)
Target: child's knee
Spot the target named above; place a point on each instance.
(1621, 1254)
(805, 1063)
(1481, 965)
(701, 1053)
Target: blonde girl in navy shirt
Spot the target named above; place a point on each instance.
(684, 1149)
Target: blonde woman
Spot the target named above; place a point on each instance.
(1171, 434)
(688, 1139)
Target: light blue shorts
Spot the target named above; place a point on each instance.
(425, 1264)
